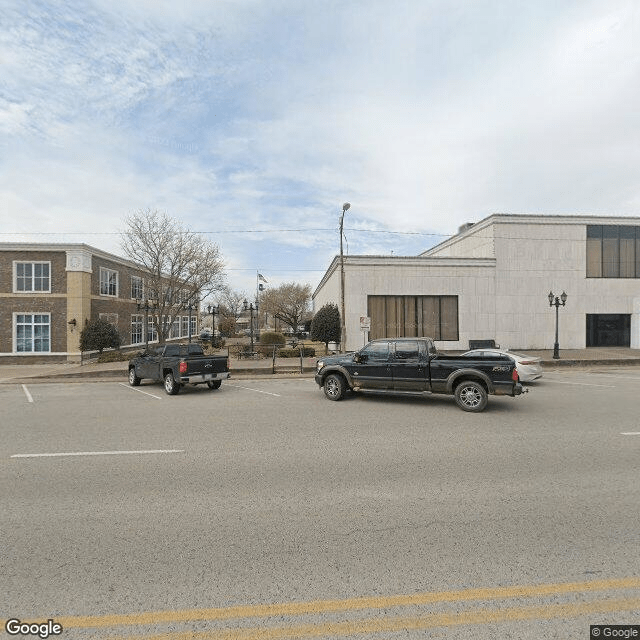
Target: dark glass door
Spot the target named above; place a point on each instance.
(608, 330)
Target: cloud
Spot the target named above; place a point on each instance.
(251, 115)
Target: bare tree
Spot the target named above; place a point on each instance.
(289, 303)
(182, 267)
(230, 306)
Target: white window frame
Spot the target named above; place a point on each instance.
(106, 271)
(152, 331)
(184, 326)
(32, 263)
(137, 328)
(141, 287)
(32, 324)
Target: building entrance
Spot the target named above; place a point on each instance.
(608, 330)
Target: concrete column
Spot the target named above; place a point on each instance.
(635, 324)
(78, 298)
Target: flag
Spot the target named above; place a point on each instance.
(261, 277)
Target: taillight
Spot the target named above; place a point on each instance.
(183, 367)
(514, 375)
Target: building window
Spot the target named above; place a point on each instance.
(108, 282)
(32, 277)
(613, 251)
(137, 291)
(137, 329)
(413, 316)
(152, 332)
(33, 333)
(193, 325)
(185, 326)
(175, 328)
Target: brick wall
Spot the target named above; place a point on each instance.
(29, 303)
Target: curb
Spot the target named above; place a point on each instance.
(590, 363)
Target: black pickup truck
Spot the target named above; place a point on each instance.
(413, 365)
(177, 365)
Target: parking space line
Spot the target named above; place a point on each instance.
(26, 393)
(238, 386)
(122, 384)
(94, 453)
(630, 433)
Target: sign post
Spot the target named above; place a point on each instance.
(365, 327)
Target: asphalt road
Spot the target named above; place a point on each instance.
(264, 510)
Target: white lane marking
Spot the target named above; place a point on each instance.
(237, 386)
(586, 384)
(94, 453)
(26, 393)
(139, 390)
(630, 433)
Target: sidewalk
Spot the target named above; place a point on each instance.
(72, 372)
(287, 367)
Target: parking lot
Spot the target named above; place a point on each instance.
(233, 508)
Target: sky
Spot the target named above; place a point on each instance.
(253, 121)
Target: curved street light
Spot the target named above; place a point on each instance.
(343, 326)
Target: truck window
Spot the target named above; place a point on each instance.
(376, 352)
(407, 350)
(195, 350)
(172, 350)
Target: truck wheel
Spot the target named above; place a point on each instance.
(134, 381)
(334, 387)
(214, 384)
(471, 396)
(170, 384)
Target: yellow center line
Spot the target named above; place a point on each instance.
(356, 627)
(352, 604)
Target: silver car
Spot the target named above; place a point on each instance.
(529, 368)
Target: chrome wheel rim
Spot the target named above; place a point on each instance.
(332, 387)
(470, 396)
(168, 383)
(132, 375)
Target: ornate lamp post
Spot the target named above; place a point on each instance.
(147, 305)
(555, 301)
(213, 310)
(250, 308)
(343, 326)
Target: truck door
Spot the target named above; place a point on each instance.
(409, 366)
(151, 364)
(373, 369)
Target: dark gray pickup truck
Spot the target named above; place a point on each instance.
(413, 365)
(177, 365)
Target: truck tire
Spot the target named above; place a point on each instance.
(134, 381)
(334, 386)
(170, 385)
(214, 384)
(471, 396)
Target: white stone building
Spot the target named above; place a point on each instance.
(491, 281)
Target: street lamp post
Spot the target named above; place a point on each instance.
(555, 301)
(343, 326)
(213, 310)
(250, 308)
(146, 305)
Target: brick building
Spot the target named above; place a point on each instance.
(49, 291)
